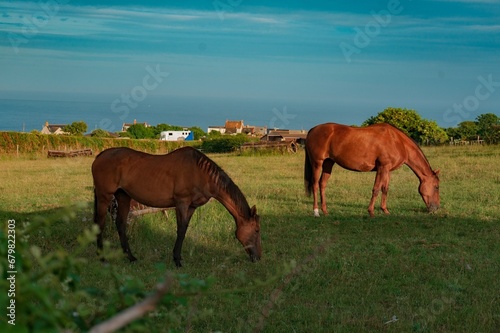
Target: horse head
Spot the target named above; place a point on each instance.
(429, 190)
(248, 233)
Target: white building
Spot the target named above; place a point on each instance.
(176, 135)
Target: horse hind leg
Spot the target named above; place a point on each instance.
(327, 172)
(315, 179)
(123, 201)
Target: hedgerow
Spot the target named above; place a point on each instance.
(17, 142)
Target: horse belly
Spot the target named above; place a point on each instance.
(355, 160)
(157, 202)
(152, 196)
(361, 166)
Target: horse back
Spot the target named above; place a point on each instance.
(153, 180)
(357, 148)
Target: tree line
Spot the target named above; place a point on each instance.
(427, 132)
(423, 131)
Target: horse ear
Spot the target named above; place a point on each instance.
(253, 211)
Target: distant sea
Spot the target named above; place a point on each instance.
(24, 114)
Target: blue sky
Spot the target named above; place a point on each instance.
(425, 55)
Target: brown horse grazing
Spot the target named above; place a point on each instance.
(184, 179)
(380, 147)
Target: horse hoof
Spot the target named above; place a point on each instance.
(316, 212)
(132, 258)
(254, 258)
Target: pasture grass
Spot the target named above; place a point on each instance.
(409, 271)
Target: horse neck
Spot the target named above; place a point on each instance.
(223, 189)
(239, 209)
(417, 161)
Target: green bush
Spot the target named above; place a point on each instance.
(46, 292)
(421, 130)
(223, 144)
(100, 133)
(76, 128)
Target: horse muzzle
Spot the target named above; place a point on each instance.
(253, 253)
(432, 208)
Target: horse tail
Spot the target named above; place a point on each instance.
(308, 175)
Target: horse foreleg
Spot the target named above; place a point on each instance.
(327, 172)
(123, 201)
(381, 182)
(183, 214)
(385, 190)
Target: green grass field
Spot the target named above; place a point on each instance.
(409, 271)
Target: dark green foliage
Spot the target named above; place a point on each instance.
(164, 127)
(421, 130)
(49, 296)
(198, 133)
(215, 134)
(139, 131)
(223, 144)
(467, 130)
(100, 133)
(76, 128)
(486, 127)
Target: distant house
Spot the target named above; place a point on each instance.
(220, 129)
(53, 129)
(249, 130)
(234, 126)
(261, 130)
(125, 126)
(256, 130)
(286, 135)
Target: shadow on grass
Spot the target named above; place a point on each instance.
(151, 237)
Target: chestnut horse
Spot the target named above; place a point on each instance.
(184, 179)
(379, 147)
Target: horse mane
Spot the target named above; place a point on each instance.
(222, 179)
(414, 144)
